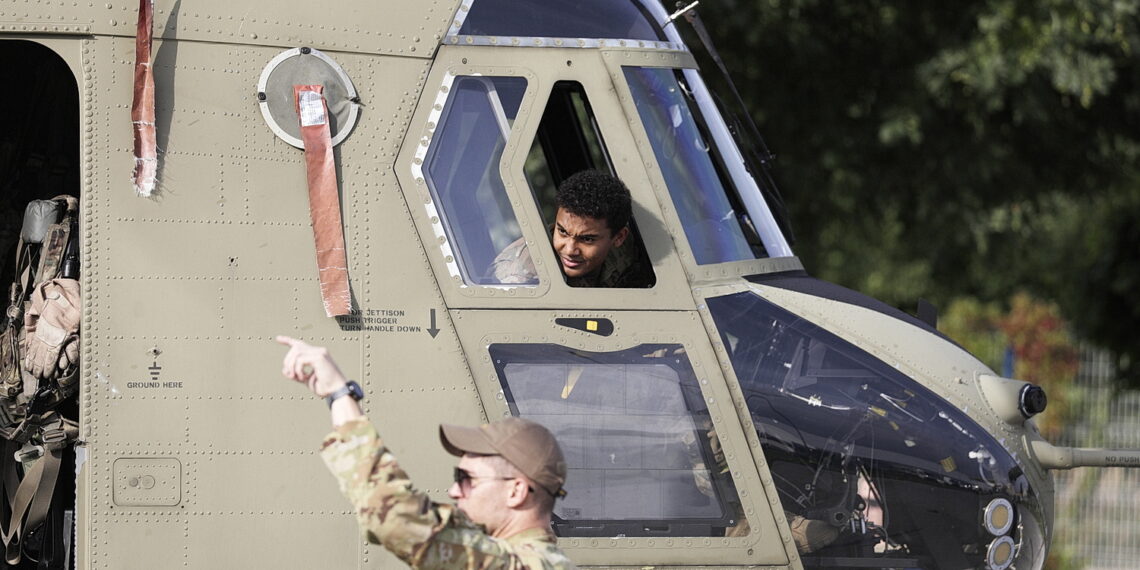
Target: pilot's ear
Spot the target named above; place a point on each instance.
(619, 237)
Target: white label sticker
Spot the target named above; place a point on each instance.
(312, 109)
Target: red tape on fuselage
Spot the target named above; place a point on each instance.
(142, 107)
(324, 202)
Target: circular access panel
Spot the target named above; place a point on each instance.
(306, 66)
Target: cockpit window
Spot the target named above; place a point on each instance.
(642, 454)
(716, 223)
(608, 19)
(462, 172)
(894, 471)
(569, 141)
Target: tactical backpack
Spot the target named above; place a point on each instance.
(39, 367)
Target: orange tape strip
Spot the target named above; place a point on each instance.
(324, 202)
(142, 107)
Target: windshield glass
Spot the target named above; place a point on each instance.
(896, 472)
(714, 226)
(608, 19)
(717, 201)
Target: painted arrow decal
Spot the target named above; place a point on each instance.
(432, 330)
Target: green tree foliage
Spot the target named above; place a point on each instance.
(969, 148)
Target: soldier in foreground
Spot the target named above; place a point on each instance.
(508, 476)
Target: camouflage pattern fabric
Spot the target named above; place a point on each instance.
(514, 265)
(420, 532)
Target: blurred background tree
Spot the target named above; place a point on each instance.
(944, 151)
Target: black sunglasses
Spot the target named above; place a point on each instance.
(463, 477)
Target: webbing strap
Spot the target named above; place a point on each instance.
(324, 200)
(8, 475)
(30, 499)
(24, 281)
(45, 489)
(11, 370)
(10, 478)
(26, 495)
(55, 243)
(142, 107)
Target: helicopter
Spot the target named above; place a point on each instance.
(701, 416)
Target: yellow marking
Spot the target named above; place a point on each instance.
(948, 464)
(592, 326)
(879, 411)
(571, 381)
(895, 426)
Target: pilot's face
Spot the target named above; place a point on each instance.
(582, 243)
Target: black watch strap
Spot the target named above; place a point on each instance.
(350, 389)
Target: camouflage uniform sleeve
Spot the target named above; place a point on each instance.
(392, 512)
(514, 265)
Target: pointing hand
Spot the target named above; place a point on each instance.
(312, 366)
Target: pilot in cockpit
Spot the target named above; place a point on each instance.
(591, 236)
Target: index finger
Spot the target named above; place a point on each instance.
(286, 340)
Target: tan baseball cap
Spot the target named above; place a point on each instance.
(525, 444)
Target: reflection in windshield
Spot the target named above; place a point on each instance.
(611, 19)
(641, 453)
(715, 228)
(462, 172)
(901, 474)
(759, 212)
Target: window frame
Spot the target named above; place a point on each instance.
(537, 67)
(452, 226)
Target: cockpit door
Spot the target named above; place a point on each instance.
(660, 472)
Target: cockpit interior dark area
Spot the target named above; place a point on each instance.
(39, 161)
(903, 478)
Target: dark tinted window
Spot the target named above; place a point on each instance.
(904, 476)
(605, 19)
(568, 141)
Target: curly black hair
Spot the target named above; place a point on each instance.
(596, 194)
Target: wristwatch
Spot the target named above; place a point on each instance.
(350, 389)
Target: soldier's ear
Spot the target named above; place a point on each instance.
(519, 491)
(620, 237)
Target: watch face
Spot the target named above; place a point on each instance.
(355, 391)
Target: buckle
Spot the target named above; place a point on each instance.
(58, 433)
(30, 452)
(54, 435)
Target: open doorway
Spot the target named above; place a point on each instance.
(39, 138)
(569, 141)
(39, 165)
